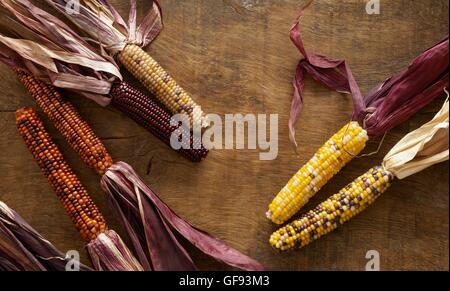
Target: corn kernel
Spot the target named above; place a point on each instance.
(159, 82)
(327, 162)
(78, 204)
(333, 212)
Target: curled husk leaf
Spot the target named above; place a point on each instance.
(385, 106)
(51, 51)
(421, 148)
(152, 226)
(104, 23)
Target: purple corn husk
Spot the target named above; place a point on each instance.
(151, 225)
(23, 249)
(95, 17)
(65, 60)
(389, 103)
(109, 253)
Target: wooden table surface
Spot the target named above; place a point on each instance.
(235, 56)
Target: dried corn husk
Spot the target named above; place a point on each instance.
(109, 253)
(51, 51)
(389, 103)
(103, 20)
(23, 249)
(152, 226)
(422, 148)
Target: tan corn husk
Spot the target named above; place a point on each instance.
(422, 148)
(52, 52)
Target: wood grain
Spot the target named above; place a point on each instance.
(235, 56)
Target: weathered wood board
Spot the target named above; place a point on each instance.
(235, 56)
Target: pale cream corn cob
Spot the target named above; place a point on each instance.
(333, 212)
(124, 41)
(327, 162)
(159, 82)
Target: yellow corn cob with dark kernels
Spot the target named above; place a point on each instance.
(334, 212)
(326, 163)
(69, 123)
(159, 82)
(85, 215)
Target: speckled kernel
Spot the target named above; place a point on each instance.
(335, 211)
(327, 162)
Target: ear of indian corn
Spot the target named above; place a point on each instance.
(159, 82)
(69, 123)
(85, 215)
(326, 163)
(335, 211)
(152, 117)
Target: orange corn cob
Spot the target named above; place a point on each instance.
(69, 123)
(79, 206)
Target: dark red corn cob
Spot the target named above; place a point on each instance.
(151, 116)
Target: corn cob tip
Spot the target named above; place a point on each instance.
(21, 113)
(151, 116)
(270, 216)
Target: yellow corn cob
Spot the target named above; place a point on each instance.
(335, 211)
(326, 163)
(159, 82)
